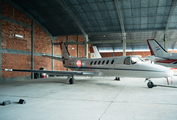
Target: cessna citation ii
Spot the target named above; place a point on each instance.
(124, 66)
(160, 55)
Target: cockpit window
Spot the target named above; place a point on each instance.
(127, 61)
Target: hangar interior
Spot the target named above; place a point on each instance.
(116, 27)
(30, 28)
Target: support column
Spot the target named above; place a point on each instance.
(67, 39)
(32, 48)
(77, 47)
(53, 53)
(0, 41)
(124, 45)
(132, 52)
(113, 54)
(86, 46)
(166, 42)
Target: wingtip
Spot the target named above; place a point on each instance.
(8, 69)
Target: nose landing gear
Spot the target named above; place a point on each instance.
(150, 84)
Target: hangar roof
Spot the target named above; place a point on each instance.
(107, 20)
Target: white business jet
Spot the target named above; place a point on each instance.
(124, 66)
(160, 56)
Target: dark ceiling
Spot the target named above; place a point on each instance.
(101, 21)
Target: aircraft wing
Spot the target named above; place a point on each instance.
(54, 57)
(56, 72)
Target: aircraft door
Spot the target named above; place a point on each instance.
(112, 63)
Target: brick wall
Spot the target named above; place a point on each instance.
(42, 44)
(116, 54)
(40, 61)
(13, 13)
(15, 61)
(9, 41)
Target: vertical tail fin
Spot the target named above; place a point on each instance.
(156, 49)
(94, 53)
(64, 51)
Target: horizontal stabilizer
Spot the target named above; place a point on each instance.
(54, 57)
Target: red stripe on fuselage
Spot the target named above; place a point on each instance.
(167, 61)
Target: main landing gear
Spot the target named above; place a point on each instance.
(117, 78)
(70, 79)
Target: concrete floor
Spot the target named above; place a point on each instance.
(99, 98)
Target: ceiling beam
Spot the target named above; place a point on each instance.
(170, 15)
(72, 15)
(113, 41)
(120, 16)
(128, 31)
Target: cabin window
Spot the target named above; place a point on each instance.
(91, 63)
(103, 62)
(112, 61)
(127, 61)
(95, 62)
(107, 62)
(99, 62)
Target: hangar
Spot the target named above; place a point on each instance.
(31, 28)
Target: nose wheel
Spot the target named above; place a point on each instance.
(150, 84)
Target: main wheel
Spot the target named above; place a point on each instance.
(117, 78)
(150, 84)
(71, 81)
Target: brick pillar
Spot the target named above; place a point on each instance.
(0, 40)
(32, 48)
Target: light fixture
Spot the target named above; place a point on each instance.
(16, 35)
(104, 35)
(72, 48)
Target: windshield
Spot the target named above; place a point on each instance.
(132, 60)
(136, 59)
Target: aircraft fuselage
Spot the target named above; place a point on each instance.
(124, 66)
